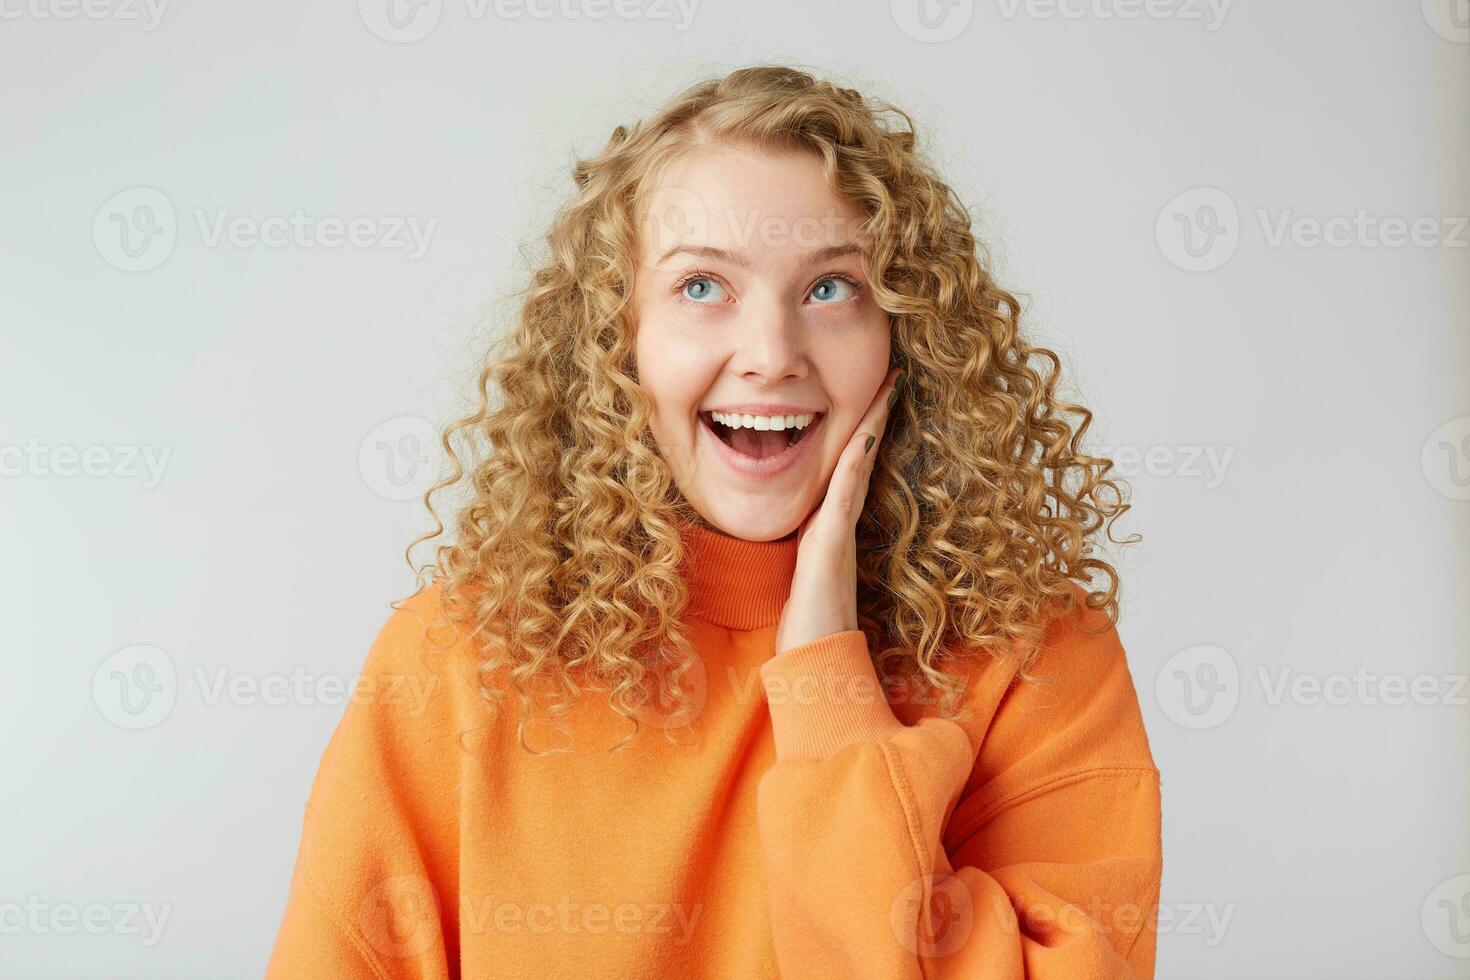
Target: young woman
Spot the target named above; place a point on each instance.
(782, 543)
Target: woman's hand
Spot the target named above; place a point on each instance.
(823, 596)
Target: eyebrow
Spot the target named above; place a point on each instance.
(826, 254)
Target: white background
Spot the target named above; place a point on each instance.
(1303, 838)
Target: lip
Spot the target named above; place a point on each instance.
(767, 408)
(761, 469)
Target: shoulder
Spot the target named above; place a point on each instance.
(413, 669)
(1076, 723)
(1078, 697)
(416, 636)
(1081, 709)
(1081, 655)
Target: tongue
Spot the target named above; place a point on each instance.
(758, 443)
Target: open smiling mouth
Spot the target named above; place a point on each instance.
(760, 443)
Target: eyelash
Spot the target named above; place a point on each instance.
(678, 287)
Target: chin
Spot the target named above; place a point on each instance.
(751, 520)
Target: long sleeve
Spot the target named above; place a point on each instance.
(364, 899)
(1029, 850)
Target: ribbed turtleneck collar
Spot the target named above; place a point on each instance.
(734, 583)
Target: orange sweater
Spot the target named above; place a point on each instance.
(808, 831)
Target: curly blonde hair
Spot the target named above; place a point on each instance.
(982, 506)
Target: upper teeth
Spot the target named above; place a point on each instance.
(763, 422)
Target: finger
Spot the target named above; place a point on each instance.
(877, 422)
(875, 419)
(848, 488)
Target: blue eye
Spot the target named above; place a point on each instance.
(700, 288)
(829, 290)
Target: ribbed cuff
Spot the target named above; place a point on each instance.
(824, 695)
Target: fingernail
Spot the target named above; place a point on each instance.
(869, 447)
(892, 397)
(898, 381)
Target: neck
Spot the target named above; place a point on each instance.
(735, 583)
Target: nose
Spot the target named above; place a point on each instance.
(769, 343)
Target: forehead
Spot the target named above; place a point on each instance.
(761, 203)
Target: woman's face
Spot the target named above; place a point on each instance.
(751, 303)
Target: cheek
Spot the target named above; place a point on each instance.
(853, 365)
(673, 374)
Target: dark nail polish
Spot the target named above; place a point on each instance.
(898, 381)
(892, 397)
(869, 447)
